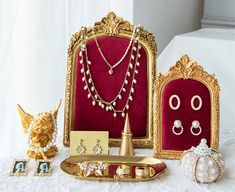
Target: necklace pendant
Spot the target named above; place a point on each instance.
(111, 71)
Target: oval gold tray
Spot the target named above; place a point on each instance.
(155, 167)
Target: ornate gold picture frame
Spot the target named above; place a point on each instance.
(111, 25)
(185, 68)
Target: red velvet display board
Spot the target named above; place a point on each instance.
(93, 118)
(185, 89)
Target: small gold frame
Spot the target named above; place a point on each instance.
(39, 171)
(111, 25)
(187, 69)
(14, 171)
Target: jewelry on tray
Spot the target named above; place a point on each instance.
(123, 171)
(199, 105)
(177, 125)
(196, 125)
(88, 169)
(130, 76)
(141, 172)
(178, 102)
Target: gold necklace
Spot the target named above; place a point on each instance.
(111, 67)
(91, 88)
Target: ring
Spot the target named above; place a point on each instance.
(123, 170)
(141, 171)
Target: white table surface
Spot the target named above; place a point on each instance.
(171, 181)
(213, 49)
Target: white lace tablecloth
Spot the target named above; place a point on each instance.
(171, 181)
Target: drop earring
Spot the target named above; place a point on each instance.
(97, 149)
(81, 149)
(177, 125)
(196, 125)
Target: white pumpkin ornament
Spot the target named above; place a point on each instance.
(202, 164)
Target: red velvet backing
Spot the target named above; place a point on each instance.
(185, 89)
(93, 118)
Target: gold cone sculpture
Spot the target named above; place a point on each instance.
(126, 148)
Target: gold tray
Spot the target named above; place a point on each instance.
(155, 167)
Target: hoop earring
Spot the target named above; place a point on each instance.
(178, 102)
(196, 125)
(81, 149)
(177, 125)
(97, 149)
(199, 105)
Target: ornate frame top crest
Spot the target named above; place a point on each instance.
(111, 25)
(185, 68)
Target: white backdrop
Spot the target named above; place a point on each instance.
(33, 40)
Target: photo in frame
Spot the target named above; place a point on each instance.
(43, 167)
(87, 112)
(186, 108)
(20, 167)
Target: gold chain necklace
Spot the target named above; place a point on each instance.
(130, 73)
(111, 67)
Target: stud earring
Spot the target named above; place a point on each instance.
(177, 125)
(178, 102)
(97, 149)
(81, 149)
(196, 125)
(199, 105)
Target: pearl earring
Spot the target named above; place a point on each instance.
(199, 105)
(177, 124)
(196, 125)
(97, 149)
(178, 102)
(81, 149)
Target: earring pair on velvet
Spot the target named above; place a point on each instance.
(178, 126)
(97, 149)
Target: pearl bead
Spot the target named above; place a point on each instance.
(93, 103)
(138, 64)
(92, 88)
(134, 81)
(89, 62)
(115, 114)
(114, 103)
(211, 163)
(195, 124)
(131, 65)
(81, 61)
(82, 70)
(132, 57)
(123, 89)
(123, 114)
(128, 74)
(177, 123)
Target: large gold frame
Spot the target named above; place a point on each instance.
(111, 25)
(186, 69)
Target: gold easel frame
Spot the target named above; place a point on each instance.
(111, 25)
(186, 69)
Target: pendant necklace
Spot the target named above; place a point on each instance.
(130, 76)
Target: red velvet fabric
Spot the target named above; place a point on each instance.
(93, 118)
(185, 89)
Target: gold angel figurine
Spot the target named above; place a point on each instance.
(42, 132)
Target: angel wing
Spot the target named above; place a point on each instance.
(26, 118)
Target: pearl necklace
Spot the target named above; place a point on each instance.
(91, 88)
(49, 145)
(111, 67)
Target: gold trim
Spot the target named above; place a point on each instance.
(111, 25)
(187, 69)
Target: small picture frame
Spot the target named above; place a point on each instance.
(43, 167)
(20, 167)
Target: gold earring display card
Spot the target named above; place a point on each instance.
(89, 142)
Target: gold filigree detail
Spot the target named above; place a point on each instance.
(111, 25)
(185, 68)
